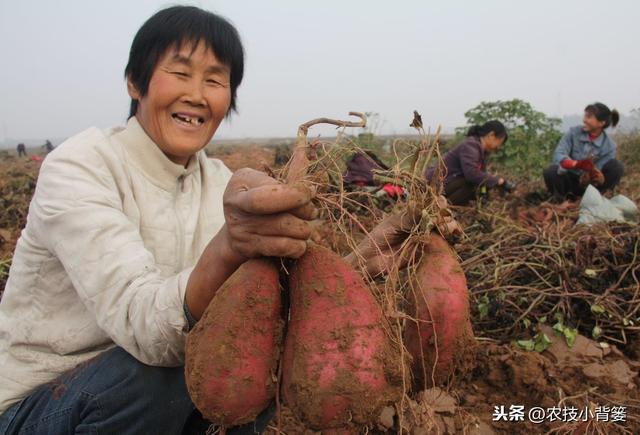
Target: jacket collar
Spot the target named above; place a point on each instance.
(476, 141)
(584, 137)
(148, 158)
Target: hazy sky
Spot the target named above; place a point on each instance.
(63, 61)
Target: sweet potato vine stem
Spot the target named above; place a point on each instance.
(299, 161)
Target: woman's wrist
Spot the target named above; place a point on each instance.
(217, 263)
(227, 255)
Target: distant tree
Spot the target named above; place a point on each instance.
(532, 134)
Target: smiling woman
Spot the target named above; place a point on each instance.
(130, 234)
(586, 155)
(187, 83)
(188, 96)
(167, 31)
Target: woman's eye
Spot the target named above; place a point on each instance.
(214, 83)
(179, 73)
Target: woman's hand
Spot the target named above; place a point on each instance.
(597, 177)
(383, 249)
(263, 218)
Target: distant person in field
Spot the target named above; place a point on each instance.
(361, 167)
(130, 233)
(22, 150)
(48, 146)
(585, 155)
(465, 165)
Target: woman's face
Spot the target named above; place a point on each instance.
(590, 123)
(492, 143)
(188, 97)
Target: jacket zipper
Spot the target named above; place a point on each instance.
(179, 189)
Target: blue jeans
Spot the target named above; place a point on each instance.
(114, 394)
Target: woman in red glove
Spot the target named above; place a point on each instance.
(466, 163)
(585, 155)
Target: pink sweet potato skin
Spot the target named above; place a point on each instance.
(339, 365)
(232, 352)
(442, 337)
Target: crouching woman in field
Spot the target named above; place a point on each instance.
(465, 165)
(585, 155)
(130, 233)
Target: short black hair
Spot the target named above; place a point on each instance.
(495, 126)
(179, 25)
(603, 114)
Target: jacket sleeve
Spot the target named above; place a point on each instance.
(563, 151)
(78, 213)
(470, 162)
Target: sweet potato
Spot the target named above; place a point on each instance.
(441, 337)
(232, 353)
(339, 364)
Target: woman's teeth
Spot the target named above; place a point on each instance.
(188, 120)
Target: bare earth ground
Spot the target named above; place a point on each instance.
(588, 374)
